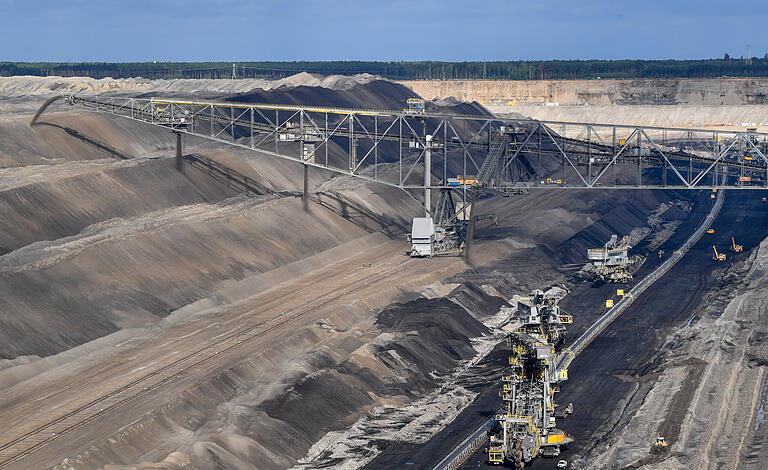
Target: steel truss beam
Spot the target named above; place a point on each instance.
(389, 146)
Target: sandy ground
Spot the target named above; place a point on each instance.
(386, 273)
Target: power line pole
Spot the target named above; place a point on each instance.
(234, 75)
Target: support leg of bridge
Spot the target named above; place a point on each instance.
(470, 228)
(427, 177)
(179, 153)
(305, 194)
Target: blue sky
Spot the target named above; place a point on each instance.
(177, 30)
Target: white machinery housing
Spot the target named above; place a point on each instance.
(612, 262)
(422, 237)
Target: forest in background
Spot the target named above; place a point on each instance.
(424, 70)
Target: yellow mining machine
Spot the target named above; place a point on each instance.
(526, 428)
(736, 248)
(415, 106)
(659, 445)
(612, 262)
(717, 256)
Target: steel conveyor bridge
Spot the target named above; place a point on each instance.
(426, 151)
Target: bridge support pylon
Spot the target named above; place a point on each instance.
(305, 194)
(427, 177)
(179, 153)
(470, 229)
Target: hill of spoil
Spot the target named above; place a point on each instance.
(91, 244)
(46, 86)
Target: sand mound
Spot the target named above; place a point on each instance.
(45, 86)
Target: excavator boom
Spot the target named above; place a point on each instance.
(718, 256)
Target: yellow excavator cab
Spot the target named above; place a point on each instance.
(660, 442)
(710, 230)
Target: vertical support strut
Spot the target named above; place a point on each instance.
(470, 228)
(179, 153)
(427, 175)
(305, 194)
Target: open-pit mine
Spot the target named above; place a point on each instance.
(354, 273)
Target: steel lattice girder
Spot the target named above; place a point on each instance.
(709, 158)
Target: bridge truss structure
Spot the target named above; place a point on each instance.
(424, 151)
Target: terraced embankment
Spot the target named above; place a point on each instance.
(698, 103)
(683, 91)
(139, 297)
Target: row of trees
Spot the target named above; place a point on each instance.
(423, 70)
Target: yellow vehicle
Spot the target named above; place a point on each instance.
(619, 291)
(718, 256)
(659, 445)
(710, 230)
(609, 303)
(495, 455)
(736, 248)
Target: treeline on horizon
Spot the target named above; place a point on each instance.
(425, 70)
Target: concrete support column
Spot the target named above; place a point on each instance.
(305, 195)
(427, 176)
(179, 153)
